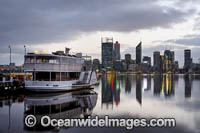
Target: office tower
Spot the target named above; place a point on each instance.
(168, 54)
(168, 60)
(156, 60)
(147, 59)
(118, 65)
(187, 59)
(173, 56)
(96, 64)
(162, 63)
(139, 53)
(127, 60)
(107, 52)
(176, 65)
(116, 51)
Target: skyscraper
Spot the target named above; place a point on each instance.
(116, 51)
(187, 59)
(168, 54)
(147, 59)
(107, 52)
(173, 56)
(96, 64)
(168, 62)
(156, 60)
(127, 60)
(139, 53)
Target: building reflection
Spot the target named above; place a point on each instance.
(147, 83)
(69, 105)
(168, 85)
(111, 89)
(7, 101)
(188, 85)
(107, 95)
(139, 88)
(128, 84)
(157, 84)
(165, 84)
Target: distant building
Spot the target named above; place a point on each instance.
(116, 51)
(169, 57)
(128, 60)
(187, 59)
(11, 68)
(162, 63)
(173, 56)
(118, 66)
(96, 64)
(168, 53)
(146, 64)
(146, 68)
(124, 65)
(157, 61)
(107, 52)
(147, 59)
(139, 53)
(176, 66)
(132, 67)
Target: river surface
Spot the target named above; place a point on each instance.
(118, 96)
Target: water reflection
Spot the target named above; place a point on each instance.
(162, 85)
(68, 105)
(139, 89)
(111, 90)
(132, 96)
(128, 84)
(188, 85)
(157, 84)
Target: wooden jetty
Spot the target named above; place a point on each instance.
(8, 83)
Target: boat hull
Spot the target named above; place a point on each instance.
(57, 89)
(69, 85)
(55, 86)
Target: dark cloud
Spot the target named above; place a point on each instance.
(41, 22)
(27, 21)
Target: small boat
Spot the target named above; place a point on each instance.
(58, 71)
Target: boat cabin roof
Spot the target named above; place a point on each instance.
(51, 55)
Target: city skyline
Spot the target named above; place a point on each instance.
(160, 25)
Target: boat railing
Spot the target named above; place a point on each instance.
(52, 67)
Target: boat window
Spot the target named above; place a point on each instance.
(46, 59)
(42, 76)
(55, 76)
(29, 59)
(53, 61)
(69, 76)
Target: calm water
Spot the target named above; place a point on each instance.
(132, 96)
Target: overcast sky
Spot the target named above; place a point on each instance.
(79, 24)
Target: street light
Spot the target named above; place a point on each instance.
(10, 53)
(24, 49)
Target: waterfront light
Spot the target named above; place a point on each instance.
(36, 52)
(44, 51)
